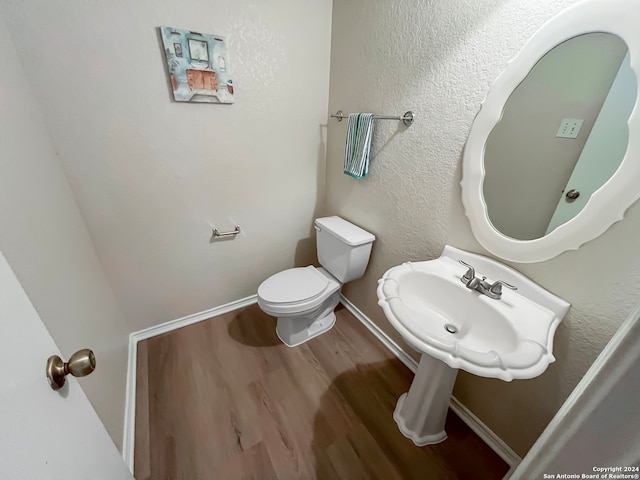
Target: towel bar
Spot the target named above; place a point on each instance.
(407, 118)
(217, 233)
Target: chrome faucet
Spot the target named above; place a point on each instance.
(491, 290)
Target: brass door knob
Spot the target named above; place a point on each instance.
(81, 363)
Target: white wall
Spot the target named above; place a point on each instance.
(45, 240)
(439, 59)
(150, 175)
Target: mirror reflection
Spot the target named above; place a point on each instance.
(562, 135)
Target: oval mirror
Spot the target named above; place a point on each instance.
(563, 129)
(549, 162)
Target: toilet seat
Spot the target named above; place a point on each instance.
(296, 290)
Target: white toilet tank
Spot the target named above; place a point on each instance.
(343, 248)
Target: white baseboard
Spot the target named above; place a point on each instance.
(128, 435)
(194, 318)
(130, 400)
(386, 340)
(486, 434)
(474, 423)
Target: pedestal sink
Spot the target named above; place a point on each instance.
(439, 313)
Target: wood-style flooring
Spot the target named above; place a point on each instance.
(225, 399)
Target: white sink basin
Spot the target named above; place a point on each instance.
(506, 338)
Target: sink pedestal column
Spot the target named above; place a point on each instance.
(421, 412)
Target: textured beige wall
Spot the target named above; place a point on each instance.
(150, 175)
(439, 59)
(46, 242)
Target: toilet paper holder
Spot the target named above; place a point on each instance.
(217, 233)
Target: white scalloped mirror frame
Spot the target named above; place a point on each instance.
(608, 204)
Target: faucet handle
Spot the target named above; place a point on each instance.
(496, 288)
(470, 273)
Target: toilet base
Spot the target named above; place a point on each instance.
(293, 331)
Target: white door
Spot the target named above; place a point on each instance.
(44, 434)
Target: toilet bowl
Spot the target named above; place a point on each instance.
(304, 298)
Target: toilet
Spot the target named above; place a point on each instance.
(304, 298)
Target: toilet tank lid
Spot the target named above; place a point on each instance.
(346, 231)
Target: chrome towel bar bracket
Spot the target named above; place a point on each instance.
(407, 118)
(217, 233)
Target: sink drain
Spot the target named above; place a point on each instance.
(451, 328)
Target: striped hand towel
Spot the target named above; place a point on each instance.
(356, 152)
